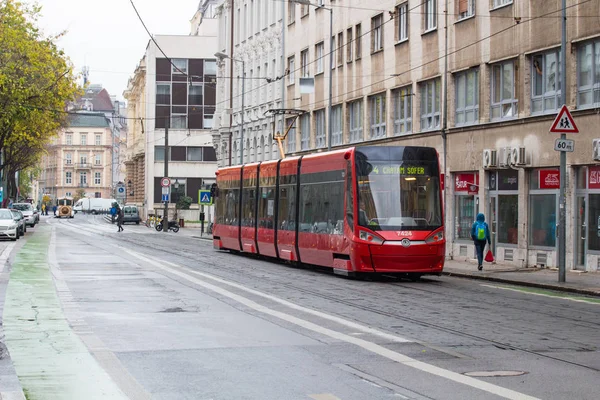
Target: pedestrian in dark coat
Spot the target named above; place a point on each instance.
(120, 217)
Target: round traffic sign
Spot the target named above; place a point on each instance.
(165, 182)
(121, 190)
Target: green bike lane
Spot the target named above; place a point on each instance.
(50, 359)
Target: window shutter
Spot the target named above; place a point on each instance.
(463, 6)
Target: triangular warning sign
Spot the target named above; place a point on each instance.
(564, 122)
(205, 198)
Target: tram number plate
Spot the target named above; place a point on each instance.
(564, 145)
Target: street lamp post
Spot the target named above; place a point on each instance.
(329, 111)
(222, 56)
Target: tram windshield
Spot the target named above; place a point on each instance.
(398, 188)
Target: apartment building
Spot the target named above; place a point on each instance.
(177, 93)
(79, 158)
(485, 99)
(250, 34)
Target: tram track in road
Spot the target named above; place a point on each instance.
(220, 262)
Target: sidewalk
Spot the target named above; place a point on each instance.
(576, 281)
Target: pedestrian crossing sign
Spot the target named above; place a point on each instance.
(204, 198)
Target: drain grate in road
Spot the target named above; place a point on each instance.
(492, 374)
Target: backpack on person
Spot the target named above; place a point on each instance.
(480, 230)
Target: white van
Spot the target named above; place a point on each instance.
(93, 205)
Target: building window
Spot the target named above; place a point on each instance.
(163, 94)
(84, 139)
(98, 160)
(291, 13)
(504, 102)
(320, 128)
(68, 158)
(430, 15)
(97, 178)
(402, 110)
(377, 104)
(376, 33)
(291, 136)
(336, 125)
(98, 140)
(69, 139)
(304, 63)
(467, 97)
(544, 187)
(83, 159)
(179, 66)
(465, 215)
(508, 219)
(319, 48)
(500, 3)
(305, 131)
(68, 178)
(291, 70)
(466, 9)
(83, 178)
(178, 121)
(358, 42)
(545, 84)
(340, 48)
(588, 82)
(355, 121)
(208, 121)
(349, 46)
(430, 104)
(195, 95)
(304, 9)
(194, 153)
(402, 22)
(210, 67)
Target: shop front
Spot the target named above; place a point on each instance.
(543, 216)
(586, 228)
(504, 212)
(466, 207)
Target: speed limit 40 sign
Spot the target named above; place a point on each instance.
(564, 145)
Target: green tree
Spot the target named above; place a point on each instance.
(36, 84)
(79, 194)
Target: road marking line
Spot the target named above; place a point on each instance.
(6, 252)
(323, 396)
(369, 346)
(579, 300)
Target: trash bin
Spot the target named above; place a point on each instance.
(181, 222)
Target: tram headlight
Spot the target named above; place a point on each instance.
(435, 237)
(369, 237)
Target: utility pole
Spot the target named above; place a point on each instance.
(330, 125)
(562, 232)
(166, 216)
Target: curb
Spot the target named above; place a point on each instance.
(203, 237)
(550, 286)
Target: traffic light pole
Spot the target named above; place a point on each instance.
(166, 215)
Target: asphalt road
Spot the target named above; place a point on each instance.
(164, 316)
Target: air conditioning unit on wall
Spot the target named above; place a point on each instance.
(489, 158)
(596, 150)
(504, 157)
(518, 156)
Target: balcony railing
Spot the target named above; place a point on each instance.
(83, 185)
(69, 165)
(84, 165)
(98, 165)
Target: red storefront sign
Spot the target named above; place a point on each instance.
(467, 182)
(594, 177)
(549, 179)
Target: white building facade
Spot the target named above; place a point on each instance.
(249, 31)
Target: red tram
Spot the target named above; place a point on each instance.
(371, 209)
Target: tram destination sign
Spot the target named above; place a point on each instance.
(405, 169)
(564, 145)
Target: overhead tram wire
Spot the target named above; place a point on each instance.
(345, 93)
(450, 53)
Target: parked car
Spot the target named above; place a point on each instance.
(9, 228)
(131, 214)
(28, 212)
(18, 216)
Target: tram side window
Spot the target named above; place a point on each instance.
(287, 208)
(322, 208)
(349, 196)
(266, 207)
(231, 206)
(220, 206)
(249, 207)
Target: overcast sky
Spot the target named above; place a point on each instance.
(107, 36)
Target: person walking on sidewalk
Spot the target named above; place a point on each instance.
(120, 217)
(480, 233)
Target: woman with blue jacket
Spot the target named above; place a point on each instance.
(480, 233)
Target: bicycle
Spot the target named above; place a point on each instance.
(152, 221)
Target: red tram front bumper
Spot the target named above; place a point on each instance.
(393, 258)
